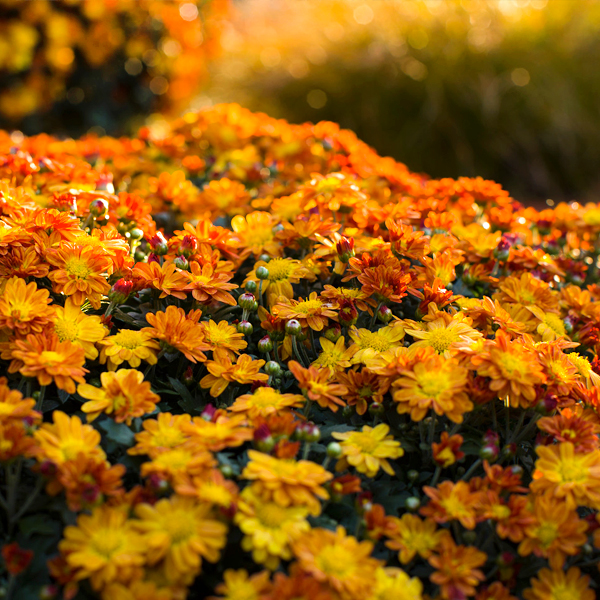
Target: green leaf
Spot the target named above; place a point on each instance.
(117, 432)
(38, 524)
(63, 396)
(186, 402)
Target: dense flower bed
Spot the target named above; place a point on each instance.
(252, 360)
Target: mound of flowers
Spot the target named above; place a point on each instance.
(251, 360)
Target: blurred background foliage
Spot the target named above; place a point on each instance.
(67, 66)
(505, 89)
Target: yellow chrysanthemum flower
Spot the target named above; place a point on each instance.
(335, 357)
(129, 346)
(24, 308)
(269, 528)
(104, 548)
(370, 344)
(224, 337)
(181, 532)
(368, 450)
(395, 584)
(266, 401)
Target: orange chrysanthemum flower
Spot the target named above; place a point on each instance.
(410, 535)
(13, 407)
(339, 560)
(24, 308)
(73, 325)
(312, 312)
(556, 584)
(207, 285)
(129, 346)
(287, 482)
(450, 502)
(514, 369)
(457, 568)
(163, 433)
(436, 383)
(569, 426)
(50, 360)
(255, 233)
(364, 388)
(224, 197)
(80, 272)
(447, 452)
(527, 290)
(315, 385)
(179, 331)
(223, 431)
(166, 278)
(222, 371)
(124, 395)
(266, 401)
(567, 475)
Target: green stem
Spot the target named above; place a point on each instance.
(472, 469)
(374, 319)
(297, 351)
(38, 487)
(518, 427)
(40, 401)
(306, 450)
(260, 298)
(436, 476)
(507, 415)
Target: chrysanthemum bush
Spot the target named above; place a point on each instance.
(253, 360)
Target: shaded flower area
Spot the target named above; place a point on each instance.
(248, 360)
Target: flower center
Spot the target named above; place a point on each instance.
(107, 542)
(78, 268)
(510, 365)
(127, 338)
(547, 533)
(49, 358)
(573, 472)
(66, 330)
(168, 438)
(555, 323)
(374, 341)
(441, 339)
(366, 443)
(271, 515)
(179, 527)
(279, 269)
(432, 384)
(308, 306)
(335, 561)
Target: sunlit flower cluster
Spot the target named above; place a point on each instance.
(252, 360)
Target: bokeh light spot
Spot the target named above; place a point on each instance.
(316, 98)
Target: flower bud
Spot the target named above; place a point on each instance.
(313, 433)
(265, 344)
(262, 273)
(334, 450)
(263, 440)
(208, 413)
(345, 249)
(251, 287)
(293, 327)
(153, 258)
(384, 314)
(264, 258)
(412, 475)
(245, 327)
(158, 243)
(188, 377)
(135, 234)
(348, 315)
(489, 453)
(188, 246)
(412, 504)
(120, 291)
(272, 368)
(509, 450)
(99, 208)
(376, 408)
(246, 300)
(333, 333)
(181, 262)
(49, 592)
(226, 471)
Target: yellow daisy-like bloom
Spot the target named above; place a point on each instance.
(369, 344)
(287, 482)
(339, 560)
(23, 308)
(527, 290)
(179, 465)
(335, 357)
(13, 405)
(139, 590)
(181, 532)
(312, 312)
(410, 535)
(161, 434)
(66, 438)
(269, 528)
(73, 325)
(221, 372)
(558, 585)
(223, 336)
(436, 383)
(237, 585)
(255, 233)
(266, 401)
(80, 272)
(443, 336)
(584, 368)
(368, 450)
(283, 272)
(50, 360)
(395, 584)
(566, 474)
(226, 431)
(129, 346)
(104, 548)
(124, 395)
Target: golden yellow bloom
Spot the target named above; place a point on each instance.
(287, 482)
(23, 308)
(369, 344)
(527, 290)
(436, 383)
(283, 272)
(73, 325)
(567, 475)
(395, 584)
(368, 450)
(339, 560)
(269, 528)
(223, 336)
(160, 434)
(129, 346)
(224, 431)
(266, 401)
(335, 357)
(181, 532)
(166, 278)
(13, 405)
(80, 272)
(238, 586)
(124, 395)
(139, 590)
(410, 535)
(66, 438)
(312, 312)
(560, 585)
(50, 360)
(104, 547)
(255, 233)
